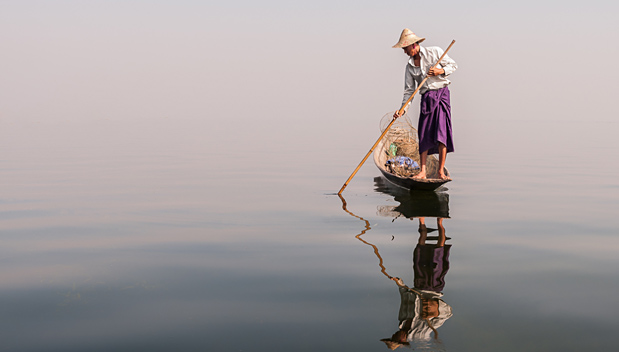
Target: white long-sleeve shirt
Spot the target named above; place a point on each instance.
(411, 309)
(415, 74)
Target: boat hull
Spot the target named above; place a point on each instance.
(430, 184)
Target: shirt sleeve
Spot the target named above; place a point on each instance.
(448, 64)
(409, 84)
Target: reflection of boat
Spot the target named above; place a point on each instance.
(413, 203)
(403, 131)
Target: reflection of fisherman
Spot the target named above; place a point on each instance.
(422, 310)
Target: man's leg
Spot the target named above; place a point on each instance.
(442, 156)
(423, 158)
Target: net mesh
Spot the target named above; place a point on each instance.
(401, 141)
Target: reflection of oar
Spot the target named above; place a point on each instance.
(367, 223)
(380, 259)
(367, 228)
(400, 112)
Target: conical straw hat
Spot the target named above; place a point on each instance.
(407, 38)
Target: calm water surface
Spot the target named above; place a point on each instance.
(170, 235)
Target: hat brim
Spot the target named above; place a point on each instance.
(405, 43)
(392, 345)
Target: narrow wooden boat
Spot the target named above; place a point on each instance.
(382, 153)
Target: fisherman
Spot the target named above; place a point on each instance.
(434, 126)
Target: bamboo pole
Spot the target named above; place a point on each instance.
(400, 112)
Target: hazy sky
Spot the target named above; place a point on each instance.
(269, 65)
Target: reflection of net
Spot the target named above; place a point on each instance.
(401, 140)
(388, 211)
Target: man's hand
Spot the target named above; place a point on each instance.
(435, 71)
(398, 114)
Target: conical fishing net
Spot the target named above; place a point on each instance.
(401, 147)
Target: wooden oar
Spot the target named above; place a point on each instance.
(400, 112)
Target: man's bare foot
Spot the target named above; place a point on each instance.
(444, 177)
(421, 176)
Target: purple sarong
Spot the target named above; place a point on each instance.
(430, 265)
(435, 121)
